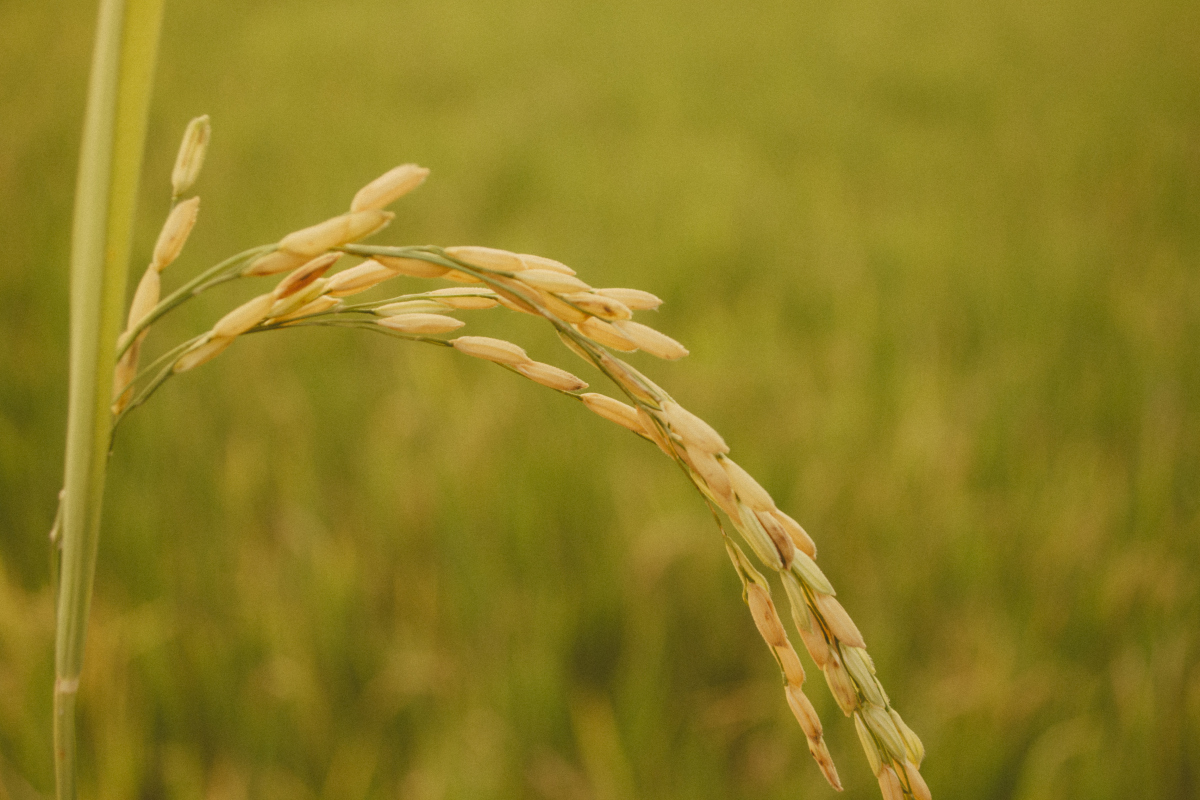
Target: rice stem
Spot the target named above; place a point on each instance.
(106, 190)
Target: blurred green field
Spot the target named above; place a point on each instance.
(938, 265)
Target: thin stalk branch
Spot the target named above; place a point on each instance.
(213, 276)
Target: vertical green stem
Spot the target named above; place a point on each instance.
(106, 190)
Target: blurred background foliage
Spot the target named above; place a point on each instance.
(937, 264)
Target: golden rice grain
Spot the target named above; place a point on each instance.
(465, 298)
(551, 281)
(318, 306)
(652, 431)
(302, 277)
(174, 233)
(486, 347)
(634, 299)
(599, 306)
(798, 535)
(766, 619)
(920, 789)
(838, 621)
(604, 333)
(552, 376)
(358, 278)
(123, 376)
(459, 276)
(793, 670)
(748, 490)
(560, 308)
(514, 303)
(840, 685)
(202, 352)
(421, 323)
(711, 471)
(488, 258)
(889, 784)
(244, 317)
(656, 343)
(804, 712)
(413, 267)
(613, 410)
(779, 537)
(820, 754)
(410, 307)
(145, 297)
(541, 262)
(288, 305)
(334, 232)
(191, 154)
(693, 430)
(638, 385)
(389, 187)
(816, 644)
(275, 263)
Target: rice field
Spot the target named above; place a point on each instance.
(938, 268)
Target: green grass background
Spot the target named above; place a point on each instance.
(938, 264)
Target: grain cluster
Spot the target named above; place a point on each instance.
(592, 322)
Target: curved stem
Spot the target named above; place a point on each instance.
(213, 276)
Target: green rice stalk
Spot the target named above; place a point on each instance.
(106, 190)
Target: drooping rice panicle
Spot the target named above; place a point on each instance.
(591, 322)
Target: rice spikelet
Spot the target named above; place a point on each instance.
(465, 298)
(334, 232)
(599, 306)
(634, 299)
(920, 789)
(421, 323)
(656, 343)
(692, 430)
(174, 233)
(541, 262)
(799, 536)
(604, 333)
(302, 277)
(389, 187)
(748, 490)
(490, 349)
(766, 619)
(623, 414)
(318, 306)
(274, 263)
(839, 622)
(552, 376)
(358, 278)
(145, 297)
(489, 258)
(804, 712)
(413, 267)
(201, 353)
(190, 158)
(244, 317)
(889, 784)
(551, 281)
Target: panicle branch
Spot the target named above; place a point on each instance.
(591, 322)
